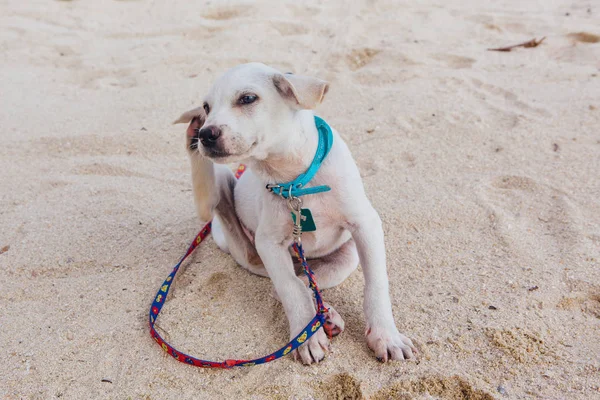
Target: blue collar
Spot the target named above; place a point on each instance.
(296, 187)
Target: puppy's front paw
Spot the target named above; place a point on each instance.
(314, 349)
(389, 344)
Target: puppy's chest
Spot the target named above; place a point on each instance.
(320, 217)
(253, 204)
(329, 232)
(323, 212)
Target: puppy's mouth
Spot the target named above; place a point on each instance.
(220, 156)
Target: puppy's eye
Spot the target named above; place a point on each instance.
(248, 99)
(206, 108)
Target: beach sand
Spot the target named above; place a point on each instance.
(483, 165)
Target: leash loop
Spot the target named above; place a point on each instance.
(309, 330)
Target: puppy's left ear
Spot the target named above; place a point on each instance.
(195, 117)
(303, 92)
(187, 116)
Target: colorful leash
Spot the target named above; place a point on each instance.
(315, 324)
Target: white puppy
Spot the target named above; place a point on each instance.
(256, 115)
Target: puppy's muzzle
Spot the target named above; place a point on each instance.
(208, 136)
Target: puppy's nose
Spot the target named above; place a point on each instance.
(209, 135)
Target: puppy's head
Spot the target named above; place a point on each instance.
(248, 111)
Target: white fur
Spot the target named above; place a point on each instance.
(277, 138)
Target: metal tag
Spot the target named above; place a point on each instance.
(306, 220)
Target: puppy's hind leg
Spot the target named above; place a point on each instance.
(330, 271)
(218, 234)
(213, 194)
(213, 186)
(229, 227)
(334, 268)
(206, 194)
(203, 174)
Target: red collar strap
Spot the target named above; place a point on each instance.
(159, 300)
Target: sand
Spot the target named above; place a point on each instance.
(483, 165)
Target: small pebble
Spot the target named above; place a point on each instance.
(502, 390)
(493, 307)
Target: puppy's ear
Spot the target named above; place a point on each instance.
(302, 92)
(189, 115)
(195, 117)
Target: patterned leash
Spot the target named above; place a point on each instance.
(313, 326)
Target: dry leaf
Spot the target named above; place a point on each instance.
(531, 43)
